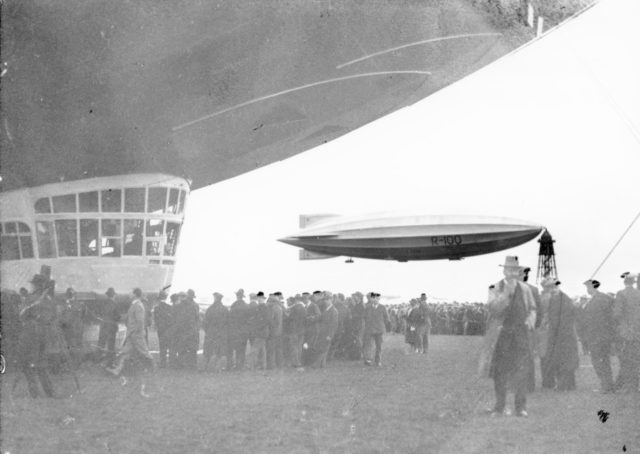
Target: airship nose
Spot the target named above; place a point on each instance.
(290, 240)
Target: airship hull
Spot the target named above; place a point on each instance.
(413, 238)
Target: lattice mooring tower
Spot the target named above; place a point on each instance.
(546, 257)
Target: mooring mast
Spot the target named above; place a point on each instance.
(546, 257)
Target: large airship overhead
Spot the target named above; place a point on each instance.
(408, 237)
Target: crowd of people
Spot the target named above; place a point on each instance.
(526, 326)
(520, 324)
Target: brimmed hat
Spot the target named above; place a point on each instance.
(511, 261)
(592, 282)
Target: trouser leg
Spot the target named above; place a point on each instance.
(29, 371)
(602, 365)
(378, 339)
(163, 349)
(425, 340)
(366, 350)
(295, 348)
(500, 389)
(45, 381)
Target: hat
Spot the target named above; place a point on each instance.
(277, 294)
(625, 274)
(491, 287)
(240, 292)
(260, 294)
(511, 261)
(70, 292)
(137, 292)
(110, 292)
(217, 295)
(162, 295)
(317, 292)
(305, 293)
(592, 282)
(182, 295)
(191, 293)
(526, 270)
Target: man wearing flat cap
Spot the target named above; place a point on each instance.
(626, 311)
(600, 332)
(511, 304)
(376, 321)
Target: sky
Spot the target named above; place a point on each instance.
(548, 134)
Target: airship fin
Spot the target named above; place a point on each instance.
(309, 219)
(309, 255)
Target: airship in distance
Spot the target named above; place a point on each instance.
(403, 237)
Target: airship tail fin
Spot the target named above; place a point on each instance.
(308, 255)
(307, 220)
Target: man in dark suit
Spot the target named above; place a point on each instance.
(297, 318)
(215, 332)
(164, 320)
(534, 334)
(327, 326)
(311, 330)
(238, 332)
(376, 321)
(600, 333)
(274, 341)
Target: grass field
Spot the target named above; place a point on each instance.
(413, 403)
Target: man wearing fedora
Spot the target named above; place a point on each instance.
(600, 333)
(239, 330)
(511, 304)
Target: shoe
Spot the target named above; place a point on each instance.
(522, 414)
(498, 413)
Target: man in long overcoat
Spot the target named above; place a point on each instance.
(135, 343)
(512, 304)
(187, 331)
(561, 354)
(163, 317)
(239, 330)
(626, 311)
(600, 333)
(274, 341)
(216, 320)
(327, 326)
